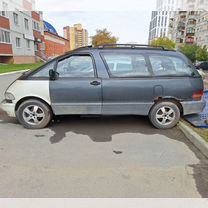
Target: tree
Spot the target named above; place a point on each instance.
(166, 42)
(103, 37)
(202, 54)
(190, 51)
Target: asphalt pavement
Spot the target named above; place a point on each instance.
(98, 157)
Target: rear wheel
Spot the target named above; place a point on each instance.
(34, 114)
(164, 115)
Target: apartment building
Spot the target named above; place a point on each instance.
(182, 27)
(77, 35)
(6, 52)
(21, 35)
(159, 24)
(38, 33)
(202, 29)
(188, 25)
(193, 5)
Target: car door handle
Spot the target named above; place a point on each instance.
(95, 83)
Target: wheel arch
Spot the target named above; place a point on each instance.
(32, 98)
(168, 99)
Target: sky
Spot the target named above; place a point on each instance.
(96, 5)
(126, 19)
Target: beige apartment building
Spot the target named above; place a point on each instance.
(188, 25)
(77, 35)
(202, 29)
(182, 27)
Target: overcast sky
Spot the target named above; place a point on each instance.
(126, 19)
(96, 5)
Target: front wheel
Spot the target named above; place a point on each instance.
(164, 115)
(34, 114)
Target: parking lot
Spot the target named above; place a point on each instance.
(98, 157)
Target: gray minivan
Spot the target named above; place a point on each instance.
(119, 79)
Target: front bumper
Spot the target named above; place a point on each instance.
(8, 108)
(193, 107)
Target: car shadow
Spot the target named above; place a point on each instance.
(101, 128)
(4, 119)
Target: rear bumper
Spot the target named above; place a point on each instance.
(8, 108)
(193, 107)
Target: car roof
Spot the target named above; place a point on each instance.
(123, 47)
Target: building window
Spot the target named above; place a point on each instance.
(28, 44)
(16, 19)
(4, 9)
(36, 47)
(4, 36)
(26, 24)
(18, 42)
(36, 26)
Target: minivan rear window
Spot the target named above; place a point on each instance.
(170, 66)
(126, 65)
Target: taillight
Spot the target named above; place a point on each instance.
(198, 95)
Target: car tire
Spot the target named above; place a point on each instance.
(164, 115)
(34, 114)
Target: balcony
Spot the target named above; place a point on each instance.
(190, 33)
(182, 13)
(193, 16)
(4, 22)
(189, 40)
(181, 26)
(180, 35)
(6, 49)
(191, 25)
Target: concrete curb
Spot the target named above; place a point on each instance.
(15, 72)
(194, 138)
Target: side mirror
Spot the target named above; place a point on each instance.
(53, 74)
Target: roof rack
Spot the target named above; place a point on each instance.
(77, 49)
(85, 47)
(132, 46)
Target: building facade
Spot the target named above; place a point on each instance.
(6, 51)
(21, 36)
(202, 29)
(188, 25)
(55, 45)
(159, 24)
(77, 35)
(38, 33)
(182, 27)
(192, 5)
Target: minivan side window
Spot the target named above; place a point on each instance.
(169, 66)
(76, 66)
(126, 65)
(44, 72)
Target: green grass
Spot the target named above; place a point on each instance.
(18, 67)
(202, 132)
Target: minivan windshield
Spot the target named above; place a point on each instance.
(170, 66)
